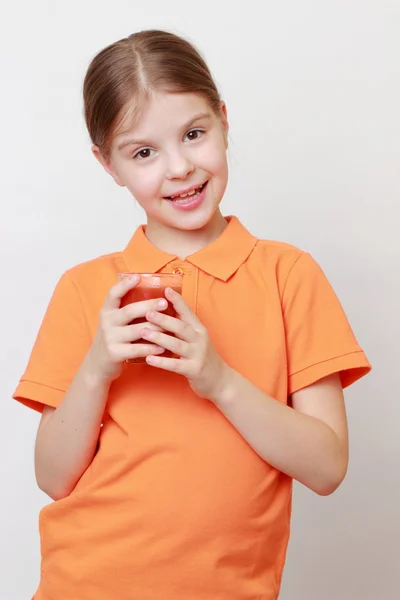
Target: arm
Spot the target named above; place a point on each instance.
(309, 442)
(67, 436)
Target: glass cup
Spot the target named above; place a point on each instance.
(150, 286)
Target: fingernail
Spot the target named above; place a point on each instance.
(162, 303)
(134, 278)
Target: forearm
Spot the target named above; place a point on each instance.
(66, 443)
(297, 444)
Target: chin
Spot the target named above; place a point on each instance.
(195, 221)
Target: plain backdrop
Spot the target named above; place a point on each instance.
(313, 95)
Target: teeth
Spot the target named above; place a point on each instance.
(188, 194)
(181, 199)
(192, 193)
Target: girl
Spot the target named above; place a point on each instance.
(173, 479)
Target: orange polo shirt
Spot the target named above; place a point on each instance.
(176, 504)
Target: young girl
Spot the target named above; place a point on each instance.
(173, 478)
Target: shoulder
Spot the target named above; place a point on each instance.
(96, 266)
(283, 250)
(94, 277)
(278, 257)
(284, 263)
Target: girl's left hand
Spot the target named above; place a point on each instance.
(199, 362)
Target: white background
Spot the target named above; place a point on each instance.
(313, 95)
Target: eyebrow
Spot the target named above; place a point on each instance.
(131, 142)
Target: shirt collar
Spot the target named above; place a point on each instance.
(220, 259)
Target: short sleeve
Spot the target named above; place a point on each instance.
(61, 344)
(319, 338)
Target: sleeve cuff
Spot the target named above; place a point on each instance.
(351, 367)
(36, 395)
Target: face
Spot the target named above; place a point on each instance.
(178, 148)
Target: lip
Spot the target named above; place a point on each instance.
(190, 204)
(186, 190)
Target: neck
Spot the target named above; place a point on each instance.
(181, 242)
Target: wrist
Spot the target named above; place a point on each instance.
(93, 375)
(223, 392)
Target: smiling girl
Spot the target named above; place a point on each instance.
(173, 479)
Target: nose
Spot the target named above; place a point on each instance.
(179, 166)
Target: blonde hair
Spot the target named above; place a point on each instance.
(121, 76)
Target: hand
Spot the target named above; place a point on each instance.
(112, 344)
(199, 362)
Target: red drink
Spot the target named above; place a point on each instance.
(150, 286)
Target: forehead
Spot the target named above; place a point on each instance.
(160, 113)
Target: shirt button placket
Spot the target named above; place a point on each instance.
(189, 283)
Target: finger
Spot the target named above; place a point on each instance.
(118, 291)
(182, 308)
(166, 341)
(138, 310)
(130, 351)
(132, 333)
(182, 330)
(175, 365)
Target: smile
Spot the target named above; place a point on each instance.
(193, 192)
(189, 201)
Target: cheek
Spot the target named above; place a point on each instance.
(144, 183)
(218, 165)
(214, 159)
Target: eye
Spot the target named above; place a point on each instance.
(194, 134)
(142, 154)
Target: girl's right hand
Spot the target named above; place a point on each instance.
(112, 343)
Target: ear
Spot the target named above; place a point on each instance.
(107, 165)
(224, 121)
